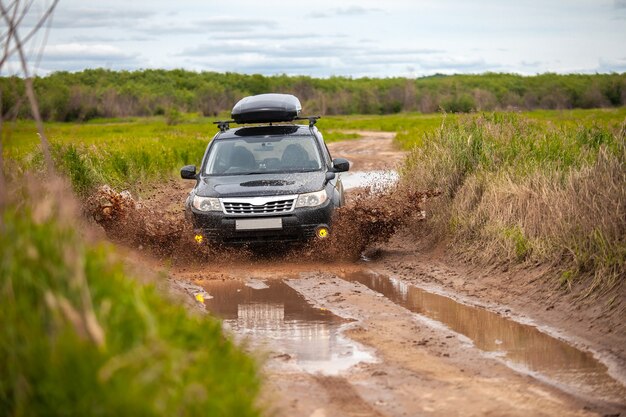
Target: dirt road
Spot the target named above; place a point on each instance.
(397, 333)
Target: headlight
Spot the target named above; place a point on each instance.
(311, 199)
(206, 203)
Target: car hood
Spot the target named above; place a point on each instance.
(260, 184)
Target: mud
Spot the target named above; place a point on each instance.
(335, 341)
(151, 225)
(373, 151)
(277, 320)
(371, 216)
(521, 346)
(424, 368)
(129, 221)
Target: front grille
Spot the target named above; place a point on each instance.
(281, 206)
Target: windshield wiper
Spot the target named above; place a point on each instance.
(299, 171)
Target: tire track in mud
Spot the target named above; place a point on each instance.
(342, 396)
(428, 369)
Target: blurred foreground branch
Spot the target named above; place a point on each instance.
(13, 15)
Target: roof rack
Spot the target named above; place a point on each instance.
(312, 119)
(224, 125)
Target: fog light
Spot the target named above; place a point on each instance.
(322, 232)
(199, 239)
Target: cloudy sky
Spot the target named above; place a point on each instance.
(348, 38)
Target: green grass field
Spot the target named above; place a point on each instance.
(125, 152)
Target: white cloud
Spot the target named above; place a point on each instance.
(451, 63)
(349, 11)
(612, 65)
(271, 36)
(83, 52)
(207, 25)
(81, 17)
(316, 49)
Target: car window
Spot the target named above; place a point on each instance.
(327, 157)
(263, 154)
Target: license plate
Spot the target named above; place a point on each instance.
(259, 224)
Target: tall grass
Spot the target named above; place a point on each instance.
(78, 337)
(518, 190)
(123, 164)
(127, 152)
(386, 123)
(121, 153)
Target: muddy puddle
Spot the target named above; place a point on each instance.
(374, 180)
(275, 318)
(520, 346)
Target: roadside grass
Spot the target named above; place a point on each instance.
(518, 189)
(79, 337)
(121, 153)
(576, 117)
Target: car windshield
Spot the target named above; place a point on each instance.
(263, 154)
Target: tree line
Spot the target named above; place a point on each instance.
(76, 96)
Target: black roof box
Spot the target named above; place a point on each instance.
(266, 108)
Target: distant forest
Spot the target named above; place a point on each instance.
(88, 94)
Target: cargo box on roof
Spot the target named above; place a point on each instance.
(266, 108)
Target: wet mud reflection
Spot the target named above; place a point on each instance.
(521, 346)
(276, 317)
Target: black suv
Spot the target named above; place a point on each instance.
(268, 182)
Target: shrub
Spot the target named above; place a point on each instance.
(78, 337)
(515, 190)
(173, 116)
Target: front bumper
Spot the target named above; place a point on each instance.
(300, 224)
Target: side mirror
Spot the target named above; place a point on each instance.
(341, 165)
(188, 172)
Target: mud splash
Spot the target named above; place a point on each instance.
(128, 221)
(375, 181)
(520, 346)
(276, 318)
(147, 226)
(371, 216)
